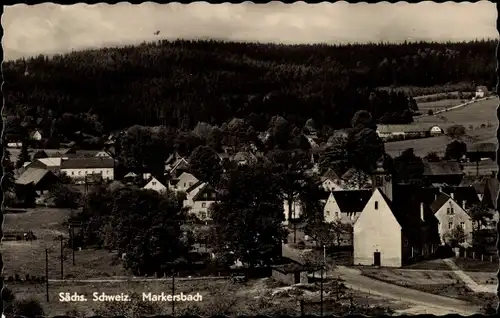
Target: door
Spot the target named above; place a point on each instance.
(297, 277)
(376, 258)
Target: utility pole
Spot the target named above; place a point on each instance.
(47, 274)
(62, 260)
(173, 291)
(321, 293)
(72, 234)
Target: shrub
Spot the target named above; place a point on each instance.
(29, 308)
(17, 277)
(8, 298)
(430, 112)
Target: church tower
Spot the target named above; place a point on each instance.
(382, 178)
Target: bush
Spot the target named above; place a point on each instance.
(29, 308)
(8, 298)
(430, 112)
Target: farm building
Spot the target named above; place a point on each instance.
(436, 131)
(40, 179)
(481, 91)
(290, 274)
(448, 172)
(388, 132)
(78, 168)
(155, 185)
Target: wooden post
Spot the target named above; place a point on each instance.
(482, 257)
(473, 255)
(47, 274)
(62, 260)
(491, 258)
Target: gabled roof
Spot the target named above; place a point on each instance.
(461, 194)
(441, 168)
(195, 186)
(352, 200)
(130, 175)
(51, 161)
(153, 179)
(87, 163)
(180, 164)
(244, 156)
(439, 202)
(205, 188)
(32, 175)
(330, 174)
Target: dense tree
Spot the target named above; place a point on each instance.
(8, 168)
(481, 215)
(432, 157)
(65, 197)
(248, 219)
(409, 168)
(23, 156)
(455, 131)
(455, 150)
(29, 308)
(206, 165)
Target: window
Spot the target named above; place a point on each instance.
(154, 183)
(450, 225)
(190, 183)
(72, 173)
(184, 184)
(448, 211)
(452, 212)
(328, 213)
(376, 205)
(203, 215)
(378, 181)
(405, 243)
(337, 215)
(203, 205)
(462, 225)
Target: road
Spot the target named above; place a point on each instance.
(435, 304)
(134, 279)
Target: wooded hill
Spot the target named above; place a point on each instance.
(182, 82)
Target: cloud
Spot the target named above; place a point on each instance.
(51, 28)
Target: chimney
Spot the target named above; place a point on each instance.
(464, 203)
(422, 211)
(452, 195)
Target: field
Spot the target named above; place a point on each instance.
(472, 265)
(437, 105)
(28, 257)
(471, 117)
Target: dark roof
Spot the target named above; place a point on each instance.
(482, 147)
(352, 200)
(87, 163)
(461, 194)
(194, 186)
(32, 175)
(350, 173)
(441, 168)
(206, 188)
(330, 174)
(289, 268)
(438, 203)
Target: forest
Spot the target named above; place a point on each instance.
(180, 83)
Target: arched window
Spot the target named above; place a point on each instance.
(376, 205)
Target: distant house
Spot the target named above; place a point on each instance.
(155, 185)
(78, 168)
(103, 154)
(448, 172)
(450, 214)
(184, 182)
(41, 179)
(130, 177)
(436, 131)
(36, 135)
(180, 166)
(199, 198)
(330, 181)
(481, 91)
(387, 132)
(346, 206)
(481, 151)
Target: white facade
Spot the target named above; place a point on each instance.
(199, 206)
(186, 180)
(155, 185)
(36, 135)
(377, 231)
(15, 144)
(332, 212)
(450, 215)
(102, 154)
(436, 130)
(107, 173)
(331, 185)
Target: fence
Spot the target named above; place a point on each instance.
(485, 257)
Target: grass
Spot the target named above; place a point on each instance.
(25, 257)
(435, 264)
(472, 265)
(437, 105)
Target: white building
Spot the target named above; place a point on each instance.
(184, 182)
(78, 168)
(155, 185)
(450, 216)
(199, 198)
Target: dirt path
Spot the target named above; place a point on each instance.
(435, 304)
(475, 287)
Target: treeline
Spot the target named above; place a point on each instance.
(181, 83)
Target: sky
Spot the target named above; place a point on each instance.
(51, 28)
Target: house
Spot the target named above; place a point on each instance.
(40, 179)
(291, 273)
(330, 181)
(448, 172)
(345, 206)
(36, 135)
(481, 91)
(78, 168)
(481, 151)
(451, 214)
(51, 163)
(130, 177)
(465, 196)
(155, 185)
(436, 131)
(199, 198)
(392, 231)
(184, 182)
(103, 154)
